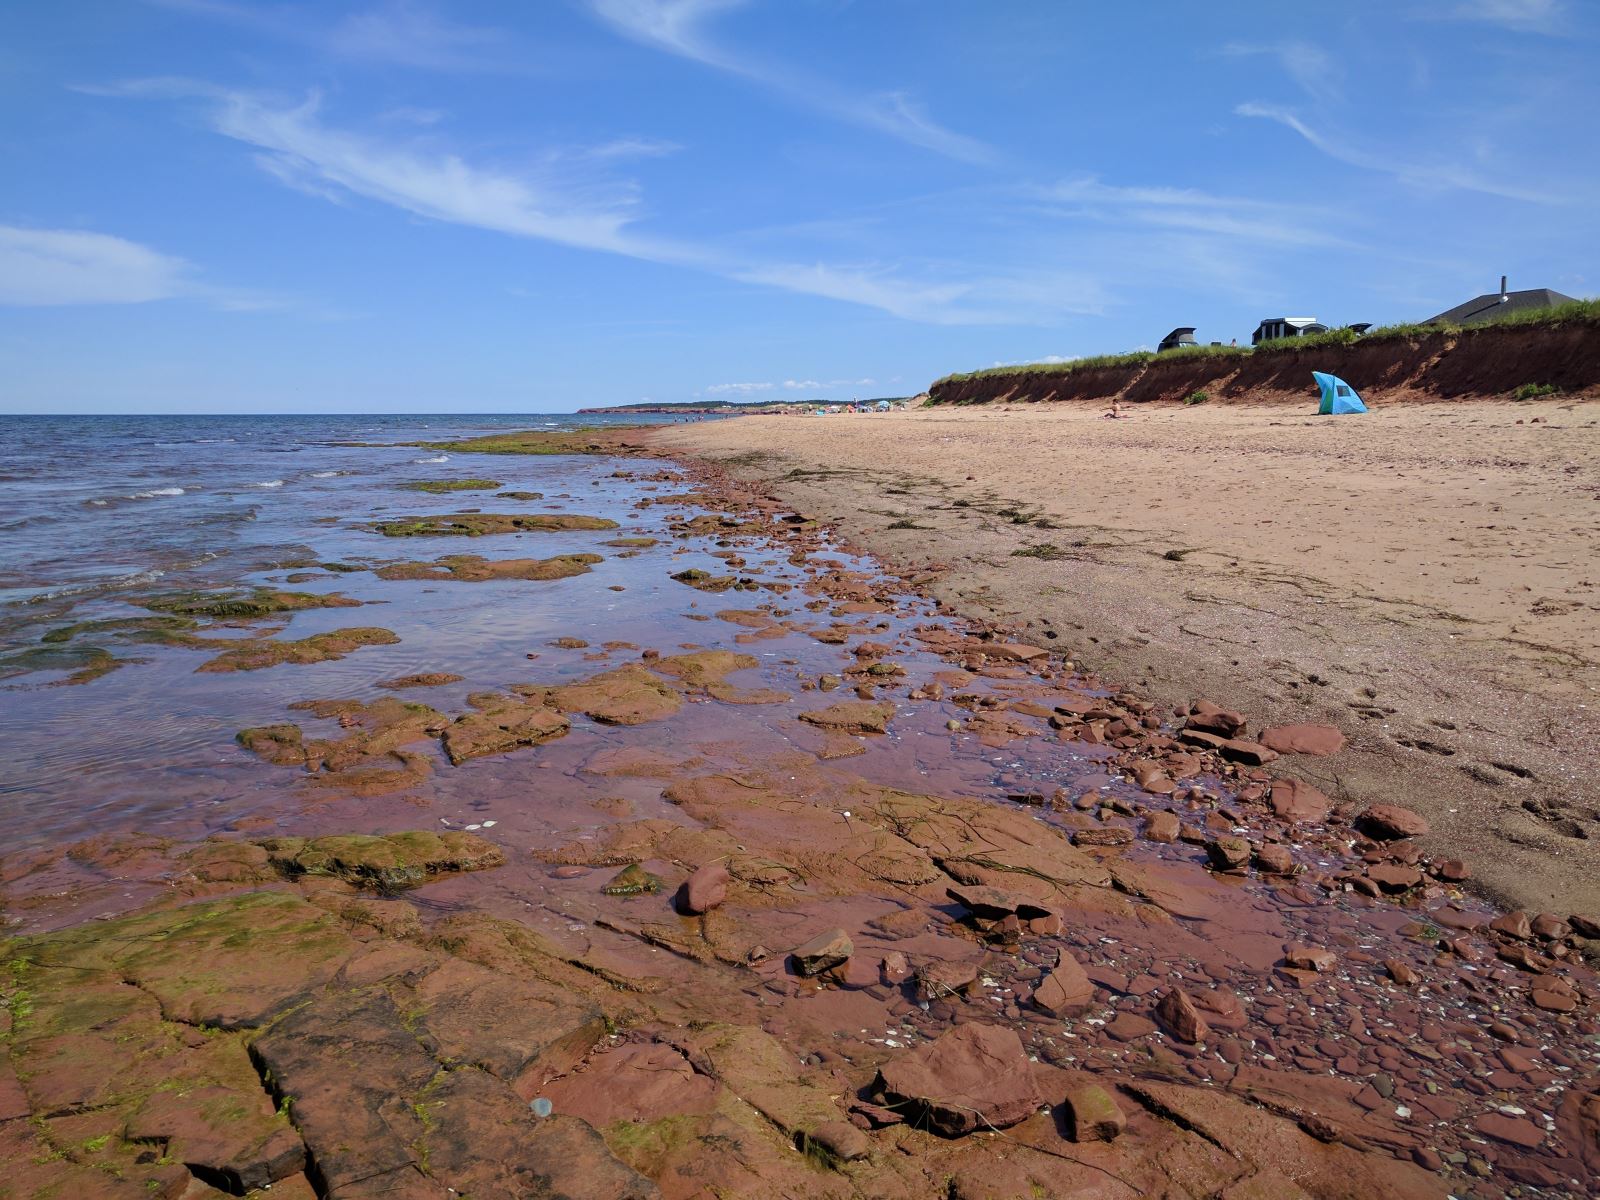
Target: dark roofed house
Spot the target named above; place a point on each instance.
(1178, 338)
(1493, 305)
(1273, 328)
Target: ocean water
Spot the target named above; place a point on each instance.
(91, 506)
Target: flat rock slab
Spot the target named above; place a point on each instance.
(972, 1077)
(1318, 741)
(388, 861)
(852, 716)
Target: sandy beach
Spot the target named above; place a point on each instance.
(1424, 578)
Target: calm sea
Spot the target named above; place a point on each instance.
(91, 506)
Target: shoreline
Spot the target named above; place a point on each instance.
(783, 875)
(1492, 735)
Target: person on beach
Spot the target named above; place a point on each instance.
(1115, 414)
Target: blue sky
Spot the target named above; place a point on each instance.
(414, 205)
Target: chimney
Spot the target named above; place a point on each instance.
(1502, 289)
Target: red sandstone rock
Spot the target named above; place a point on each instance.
(1274, 859)
(1392, 877)
(1181, 1018)
(1388, 822)
(1162, 827)
(823, 952)
(1400, 971)
(1066, 990)
(1228, 853)
(842, 1140)
(1093, 1114)
(1207, 717)
(1297, 802)
(1315, 740)
(972, 1077)
(1305, 958)
(1512, 1130)
(705, 889)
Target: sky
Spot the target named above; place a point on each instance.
(426, 206)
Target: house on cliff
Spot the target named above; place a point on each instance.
(1491, 306)
(1273, 328)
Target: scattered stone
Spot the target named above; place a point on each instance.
(823, 952)
(939, 980)
(705, 889)
(1400, 971)
(1514, 1131)
(1389, 823)
(1181, 1018)
(1298, 803)
(1066, 990)
(993, 904)
(1228, 853)
(1207, 717)
(257, 654)
(971, 1077)
(1162, 827)
(1093, 1114)
(841, 1140)
(1392, 877)
(1305, 958)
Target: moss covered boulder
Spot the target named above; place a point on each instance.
(386, 861)
(439, 487)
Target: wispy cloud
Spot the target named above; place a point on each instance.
(583, 205)
(1316, 72)
(738, 389)
(1247, 221)
(41, 267)
(1523, 16)
(47, 268)
(402, 33)
(1432, 174)
(680, 27)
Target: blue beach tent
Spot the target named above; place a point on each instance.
(1337, 395)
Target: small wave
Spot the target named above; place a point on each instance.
(326, 474)
(271, 483)
(99, 503)
(154, 492)
(441, 458)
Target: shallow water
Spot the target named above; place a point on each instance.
(149, 749)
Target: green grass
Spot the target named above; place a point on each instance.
(1196, 398)
(1579, 312)
(1530, 391)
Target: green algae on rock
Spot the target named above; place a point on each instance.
(705, 581)
(440, 486)
(483, 524)
(319, 647)
(519, 495)
(501, 724)
(158, 630)
(386, 861)
(629, 695)
(469, 568)
(83, 663)
(633, 880)
(852, 716)
(702, 668)
(531, 441)
(262, 602)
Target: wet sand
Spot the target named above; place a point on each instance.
(766, 875)
(1423, 578)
